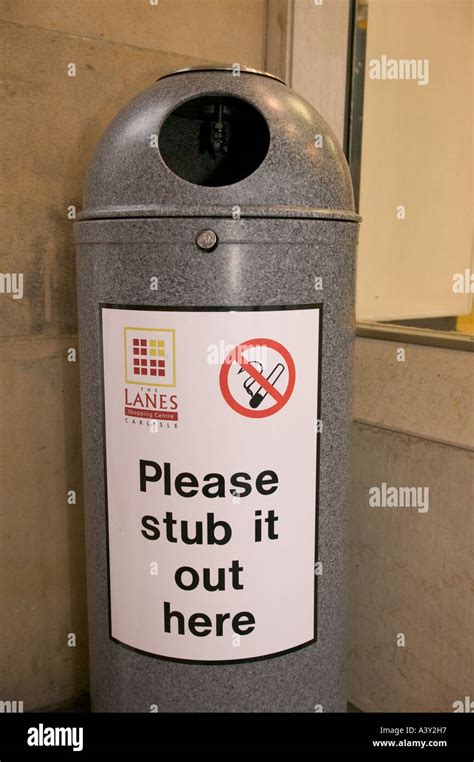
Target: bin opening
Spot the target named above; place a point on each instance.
(214, 140)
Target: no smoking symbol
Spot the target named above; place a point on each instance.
(259, 385)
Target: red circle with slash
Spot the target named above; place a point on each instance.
(236, 355)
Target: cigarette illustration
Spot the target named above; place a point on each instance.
(252, 387)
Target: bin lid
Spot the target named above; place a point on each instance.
(218, 142)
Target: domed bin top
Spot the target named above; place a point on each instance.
(202, 142)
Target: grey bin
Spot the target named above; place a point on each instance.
(217, 196)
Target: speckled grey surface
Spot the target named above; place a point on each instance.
(128, 178)
(288, 250)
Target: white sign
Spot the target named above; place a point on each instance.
(211, 466)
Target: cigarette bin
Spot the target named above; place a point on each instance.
(215, 259)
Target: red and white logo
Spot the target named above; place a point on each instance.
(150, 356)
(150, 362)
(257, 378)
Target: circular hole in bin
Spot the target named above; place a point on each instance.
(214, 140)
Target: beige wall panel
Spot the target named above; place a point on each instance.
(51, 123)
(42, 575)
(319, 57)
(430, 394)
(411, 573)
(222, 30)
(417, 152)
(306, 45)
(278, 38)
